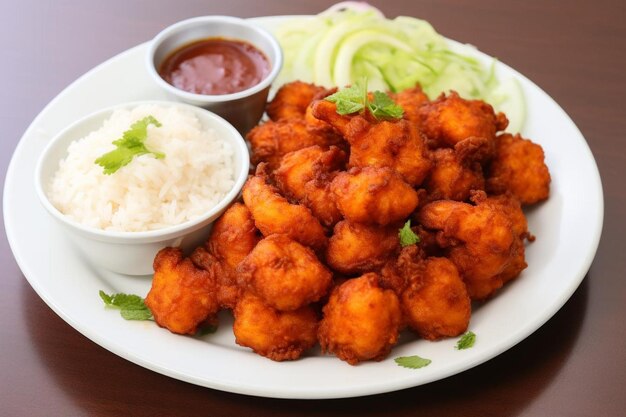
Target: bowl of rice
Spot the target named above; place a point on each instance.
(129, 180)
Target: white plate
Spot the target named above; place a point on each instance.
(567, 227)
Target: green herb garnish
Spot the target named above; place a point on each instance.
(383, 107)
(466, 341)
(351, 99)
(412, 362)
(355, 99)
(132, 307)
(131, 144)
(407, 236)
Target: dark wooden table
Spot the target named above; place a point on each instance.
(575, 365)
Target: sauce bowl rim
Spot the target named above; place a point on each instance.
(183, 25)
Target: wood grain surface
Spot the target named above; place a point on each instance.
(575, 365)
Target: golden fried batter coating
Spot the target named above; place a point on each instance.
(451, 119)
(271, 140)
(232, 238)
(479, 240)
(301, 166)
(396, 144)
(433, 297)
(411, 100)
(182, 296)
(361, 321)
(284, 274)
(452, 178)
(323, 128)
(291, 100)
(233, 235)
(278, 335)
(227, 290)
(373, 196)
(305, 175)
(272, 213)
(319, 198)
(519, 167)
(510, 205)
(296, 169)
(436, 302)
(355, 248)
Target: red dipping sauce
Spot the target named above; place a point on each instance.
(215, 66)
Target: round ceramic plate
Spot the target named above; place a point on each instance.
(567, 227)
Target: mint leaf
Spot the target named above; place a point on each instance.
(355, 99)
(130, 145)
(412, 362)
(383, 107)
(466, 341)
(407, 236)
(143, 314)
(131, 306)
(351, 99)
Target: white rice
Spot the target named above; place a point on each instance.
(149, 193)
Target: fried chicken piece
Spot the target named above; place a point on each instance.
(323, 128)
(355, 248)
(272, 213)
(436, 302)
(396, 144)
(478, 239)
(361, 321)
(278, 335)
(373, 195)
(512, 208)
(226, 289)
(519, 167)
(182, 296)
(411, 100)
(452, 119)
(319, 199)
(433, 297)
(296, 169)
(271, 140)
(452, 178)
(232, 238)
(291, 100)
(301, 166)
(305, 175)
(233, 235)
(284, 274)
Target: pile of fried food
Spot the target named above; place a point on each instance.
(313, 253)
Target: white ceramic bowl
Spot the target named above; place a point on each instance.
(244, 108)
(132, 253)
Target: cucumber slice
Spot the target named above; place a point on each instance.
(508, 97)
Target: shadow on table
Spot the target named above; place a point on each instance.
(503, 386)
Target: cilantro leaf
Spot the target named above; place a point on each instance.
(466, 341)
(383, 107)
(131, 144)
(132, 307)
(412, 362)
(351, 99)
(355, 99)
(407, 236)
(142, 314)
